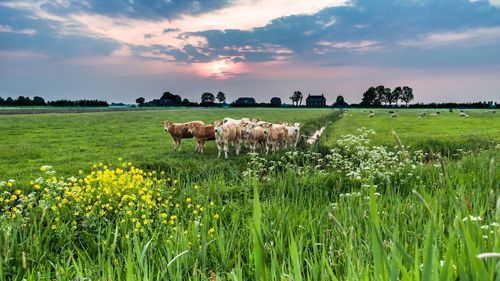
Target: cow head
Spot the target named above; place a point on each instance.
(192, 127)
(167, 125)
(218, 127)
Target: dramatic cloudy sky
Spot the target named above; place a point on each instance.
(447, 50)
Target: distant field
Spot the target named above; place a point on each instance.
(71, 141)
(444, 132)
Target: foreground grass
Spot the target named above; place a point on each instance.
(301, 228)
(444, 133)
(70, 142)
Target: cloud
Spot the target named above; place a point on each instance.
(26, 31)
(464, 38)
(359, 46)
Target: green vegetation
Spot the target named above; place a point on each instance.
(70, 142)
(363, 210)
(445, 132)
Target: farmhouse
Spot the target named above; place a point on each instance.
(316, 101)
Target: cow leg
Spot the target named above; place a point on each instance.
(202, 145)
(219, 147)
(238, 146)
(174, 141)
(226, 146)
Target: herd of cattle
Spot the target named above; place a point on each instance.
(250, 132)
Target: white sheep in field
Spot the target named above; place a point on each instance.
(466, 116)
(419, 117)
(422, 114)
(462, 114)
(433, 114)
(394, 115)
(371, 115)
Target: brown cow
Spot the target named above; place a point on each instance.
(226, 133)
(202, 133)
(276, 135)
(255, 135)
(179, 131)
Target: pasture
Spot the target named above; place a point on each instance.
(362, 209)
(70, 142)
(444, 132)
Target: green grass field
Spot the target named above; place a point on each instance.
(444, 132)
(72, 141)
(356, 211)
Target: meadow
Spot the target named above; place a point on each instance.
(70, 142)
(121, 205)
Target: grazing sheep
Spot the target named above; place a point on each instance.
(466, 116)
(371, 111)
(391, 112)
(422, 114)
(419, 117)
(433, 114)
(371, 115)
(493, 111)
(394, 115)
(462, 114)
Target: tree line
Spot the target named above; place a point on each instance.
(39, 101)
(381, 95)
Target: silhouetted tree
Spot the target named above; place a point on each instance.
(207, 98)
(396, 93)
(175, 99)
(2, 101)
(9, 101)
(380, 95)
(369, 97)
(275, 101)
(186, 102)
(387, 96)
(340, 102)
(39, 101)
(407, 95)
(221, 97)
(296, 98)
(140, 100)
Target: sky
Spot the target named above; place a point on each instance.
(446, 50)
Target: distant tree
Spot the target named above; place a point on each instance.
(296, 98)
(186, 102)
(221, 97)
(9, 101)
(207, 97)
(340, 102)
(407, 95)
(387, 96)
(396, 94)
(369, 97)
(140, 100)
(175, 99)
(2, 101)
(39, 101)
(275, 101)
(380, 95)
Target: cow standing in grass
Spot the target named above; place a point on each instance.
(226, 133)
(179, 131)
(255, 135)
(276, 135)
(201, 133)
(293, 135)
